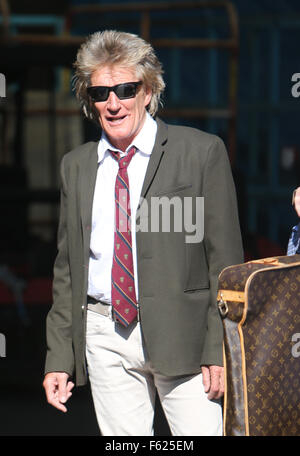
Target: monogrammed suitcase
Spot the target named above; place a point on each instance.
(260, 306)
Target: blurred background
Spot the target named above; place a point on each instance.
(230, 69)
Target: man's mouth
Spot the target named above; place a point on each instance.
(116, 120)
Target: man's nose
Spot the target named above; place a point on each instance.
(113, 102)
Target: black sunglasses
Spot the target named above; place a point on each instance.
(123, 91)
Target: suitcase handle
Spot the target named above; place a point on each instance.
(271, 260)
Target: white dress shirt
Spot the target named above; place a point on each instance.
(103, 214)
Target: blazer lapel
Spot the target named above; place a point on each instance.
(86, 192)
(156, 155)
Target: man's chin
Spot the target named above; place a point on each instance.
(120, 141)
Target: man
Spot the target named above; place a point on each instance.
(294, 241)
(135, 303)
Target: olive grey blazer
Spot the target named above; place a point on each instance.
(177, 279)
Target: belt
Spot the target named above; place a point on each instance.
(103, 308)
(100, 307)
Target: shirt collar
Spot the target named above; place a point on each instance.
(144, 141)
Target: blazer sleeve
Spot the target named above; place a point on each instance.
(60, 356)
(222, 239)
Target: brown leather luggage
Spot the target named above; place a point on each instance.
(260, 305)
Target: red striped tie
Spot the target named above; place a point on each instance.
(123, 290)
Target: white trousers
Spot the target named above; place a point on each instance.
(123, 385)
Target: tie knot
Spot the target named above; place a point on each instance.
(124, 161)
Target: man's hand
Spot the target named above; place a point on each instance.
(296, 200)
(213, 381)
(58, 389)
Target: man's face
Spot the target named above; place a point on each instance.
(121, 120)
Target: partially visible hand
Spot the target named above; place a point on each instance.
(213, 381)
(58, 389)
(297, 201)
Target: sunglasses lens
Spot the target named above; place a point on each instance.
(126, 90)
(98, 93)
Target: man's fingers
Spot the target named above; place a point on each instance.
(213, 381)
(50, 386)
(216, 382)
(222, 383)
(62, 388)
(52, 397)
(70, 386)
(205, 378)
(58, 389)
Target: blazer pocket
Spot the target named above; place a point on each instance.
(171, 191)
(197, 277)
